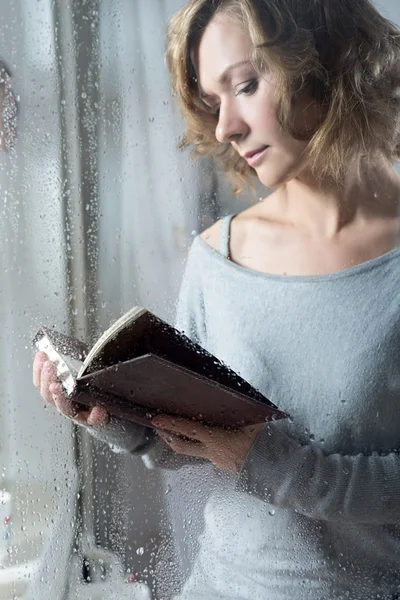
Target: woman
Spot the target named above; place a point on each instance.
(299, 294)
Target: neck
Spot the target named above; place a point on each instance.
(326, 210)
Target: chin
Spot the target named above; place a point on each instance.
(274, 178)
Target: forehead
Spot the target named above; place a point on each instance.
(224, 43)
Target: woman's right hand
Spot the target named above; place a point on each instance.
(51, 390)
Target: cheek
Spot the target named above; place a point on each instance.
(265, 122)
(269, 122)
(264, 111)
(286, 161)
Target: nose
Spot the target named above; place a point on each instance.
(231, 126)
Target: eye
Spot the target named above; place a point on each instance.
(249, 89)
(213, 110)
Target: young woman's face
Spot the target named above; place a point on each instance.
(244, 104)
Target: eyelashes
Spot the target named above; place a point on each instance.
(248, 90)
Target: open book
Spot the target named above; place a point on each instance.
(141, 366)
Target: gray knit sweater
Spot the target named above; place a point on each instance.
(315, 513)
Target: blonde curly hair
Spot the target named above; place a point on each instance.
(344, 53)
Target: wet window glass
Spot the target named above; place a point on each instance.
(199, 297)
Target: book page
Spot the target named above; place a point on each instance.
(129, 317)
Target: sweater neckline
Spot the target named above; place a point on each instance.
(363, 267)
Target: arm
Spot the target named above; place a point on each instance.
(360, 488)
(120, 435)
(129, 438)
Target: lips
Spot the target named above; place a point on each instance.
(254, 156)
(253, 152)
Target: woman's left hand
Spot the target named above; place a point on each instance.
(225, 448)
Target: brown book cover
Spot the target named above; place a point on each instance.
(141, 366)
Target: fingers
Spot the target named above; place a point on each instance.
(184, 436)
(98, 417)
(94, 417)
(38, 362)
(182, 446)
(60, 400)
(48, 376)
(186, 427)
(51, 390)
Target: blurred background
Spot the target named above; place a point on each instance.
(98, 210)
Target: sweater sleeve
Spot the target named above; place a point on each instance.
(332, 487)
(127, 437)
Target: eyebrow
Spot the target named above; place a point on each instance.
(224, 75)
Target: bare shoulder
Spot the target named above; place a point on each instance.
(212, 235)
(240, 223)
(252, 230)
